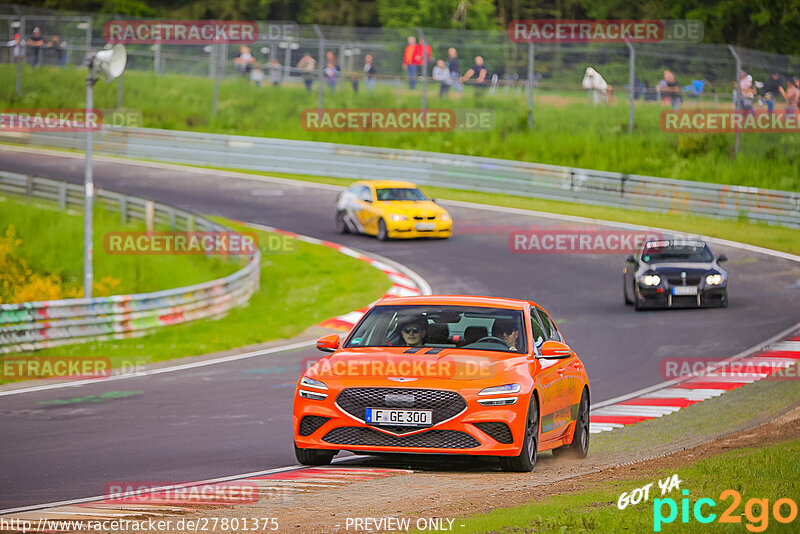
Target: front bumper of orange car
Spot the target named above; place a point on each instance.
(475, 430)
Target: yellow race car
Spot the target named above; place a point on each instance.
(390, 209)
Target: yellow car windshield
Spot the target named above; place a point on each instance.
(399, 193)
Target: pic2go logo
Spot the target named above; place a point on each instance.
(756, 511)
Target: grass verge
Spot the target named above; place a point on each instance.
(299, 288)
(769, 473)
(753, 233)
(568, 130)
(52, 243)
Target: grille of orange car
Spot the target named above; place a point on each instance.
(431, 439)
(498, 431)
(310, 423)
(444, 404)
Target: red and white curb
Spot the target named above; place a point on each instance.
(405, 282)
(685, 391)
(275, 484)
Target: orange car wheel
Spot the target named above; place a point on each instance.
(524, 462)
(579, 447)
(313, 456)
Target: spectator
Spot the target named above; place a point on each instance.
(60, 49)
(746, 93)
(441, 74)
(306, 67)
(452, 65)
(369, 73)
(792, 96)
(17, 48)
(597, 87)
(275, 72)
(772, 87)
(331, 71)
(409, 64)
(244, 61)
(256, 75)
(672, 89)
(36, 44)
(480, 72)
(422, 54)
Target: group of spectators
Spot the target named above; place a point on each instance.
(748, 91)
(36, 45)
(446, 73)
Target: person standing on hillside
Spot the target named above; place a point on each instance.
(306, 67)
(409, 65)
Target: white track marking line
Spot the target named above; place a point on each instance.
(162, 488)
(162, 370)
(688, 394)
(627, 410)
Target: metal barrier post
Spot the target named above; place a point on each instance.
(88, 185)
(631, 82)
(320, 59)
(530, 84)
(424, 44)
(215, 67)
(22, 57)
(738, 96)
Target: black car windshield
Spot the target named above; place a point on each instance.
(399, 193)
(676, 251)
(467, 327)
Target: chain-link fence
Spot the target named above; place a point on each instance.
(706, 75)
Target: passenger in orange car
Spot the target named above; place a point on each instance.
(414, 331)
(507, 331)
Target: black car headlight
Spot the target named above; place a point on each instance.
(650, 280)
(714, 279)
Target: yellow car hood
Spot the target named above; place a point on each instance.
(409, 208)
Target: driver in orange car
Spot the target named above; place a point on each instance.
(413, 331)
(507, 331)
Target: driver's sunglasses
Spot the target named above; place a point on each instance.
(411, 330)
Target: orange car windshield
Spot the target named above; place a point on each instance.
(467, 327)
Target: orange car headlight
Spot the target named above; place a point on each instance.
(500, 390)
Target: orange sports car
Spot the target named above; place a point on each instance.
(445, 375)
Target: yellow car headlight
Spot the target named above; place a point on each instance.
(397, 217)
(444, 217)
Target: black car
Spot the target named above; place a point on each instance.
(675, 273)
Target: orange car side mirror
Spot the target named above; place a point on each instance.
(328, 343)
(556, 350)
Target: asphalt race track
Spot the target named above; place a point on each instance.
(235, 417)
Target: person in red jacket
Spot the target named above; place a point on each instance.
(409, 63)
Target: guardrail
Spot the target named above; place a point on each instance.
(37, 325)
(444, 170)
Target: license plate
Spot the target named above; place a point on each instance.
(684, 290)
(426, 226)
(384, 416)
